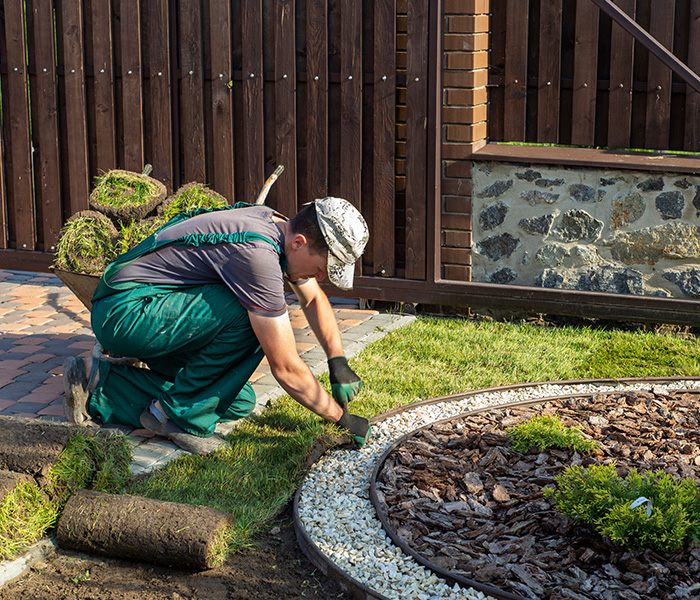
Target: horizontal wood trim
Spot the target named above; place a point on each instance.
(21, 260)
(589, 157)
(618, 307)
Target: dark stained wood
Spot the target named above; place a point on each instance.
(161, 87)
(47, 161)
(131, 84)
(416, 138)
(192, 92)
(585, 74)
(515, 93)
(549, 72)
(317, 98)
(76, 106)
(284, 192)
(620, 97)
(659, 79)
(622, 307)
(589, 157)
(692, 105)
(221, 99)
(382, 236)
(103, 94)
(253, 129)
(351, 101)
(19, 186)
(3, 202)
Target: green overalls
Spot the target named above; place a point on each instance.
(196, 340)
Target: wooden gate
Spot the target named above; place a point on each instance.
(340, 92)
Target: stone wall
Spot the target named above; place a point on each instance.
(616, 231)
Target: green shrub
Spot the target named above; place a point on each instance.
(544, 431)
(599, 497)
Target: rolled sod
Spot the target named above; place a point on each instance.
(32, 446)
(136, 528)
(9, 481)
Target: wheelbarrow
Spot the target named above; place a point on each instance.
(83, 286)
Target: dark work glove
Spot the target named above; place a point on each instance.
(358, 427)
(345, 383)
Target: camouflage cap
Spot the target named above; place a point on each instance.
(346, 235)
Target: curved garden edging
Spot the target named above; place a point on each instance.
(343, 535)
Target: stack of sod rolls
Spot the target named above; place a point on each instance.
(127, 207)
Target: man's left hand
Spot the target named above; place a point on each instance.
(345, 384)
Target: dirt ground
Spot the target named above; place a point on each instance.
(276, 568)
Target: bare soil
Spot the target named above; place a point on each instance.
(275, 568)
(456, 494)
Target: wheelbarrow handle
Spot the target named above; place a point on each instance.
(268, 184)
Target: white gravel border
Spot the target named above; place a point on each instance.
(335, 509)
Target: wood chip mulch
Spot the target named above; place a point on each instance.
(459, 496)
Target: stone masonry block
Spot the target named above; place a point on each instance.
(467, 61)
(465, 79)
(470, 42)
(466, 97)
(458, 204)
(468, 24)
(465, 115)
(465, 133)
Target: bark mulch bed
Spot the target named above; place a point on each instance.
(460, 497)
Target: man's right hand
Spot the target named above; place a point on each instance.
(358, 427)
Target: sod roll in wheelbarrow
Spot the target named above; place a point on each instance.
(153, 531)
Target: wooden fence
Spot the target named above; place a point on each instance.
(573, 76)
(218, 92)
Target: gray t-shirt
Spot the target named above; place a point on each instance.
(251, 269)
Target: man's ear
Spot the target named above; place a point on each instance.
(299, 241)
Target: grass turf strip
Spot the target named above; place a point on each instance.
(258, 474)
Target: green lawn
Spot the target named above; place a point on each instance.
(431, 357)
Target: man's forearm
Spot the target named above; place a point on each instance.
(319, 313)
(301, 385)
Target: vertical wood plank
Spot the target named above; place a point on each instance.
(103, 66)
(132, 88)
(416, 138)
(192, 92)
(221, 99)
(692, 104)
(3, 198)
(351, 101)
(620, 98)
(161, 79)
(19, 187)
(285, 196)
(317, 98)
(253, 127)
(47, 176)
(583, 108)
(658, 124)
(382, 232)
(76, 105)
(515, 93)
(549, 72)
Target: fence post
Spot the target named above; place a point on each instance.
(466, 44)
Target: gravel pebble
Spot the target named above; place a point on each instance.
(335, 510)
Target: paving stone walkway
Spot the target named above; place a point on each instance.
(42, 322)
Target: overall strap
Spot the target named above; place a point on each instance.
(152, 243)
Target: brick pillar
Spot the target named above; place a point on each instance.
(464, 114)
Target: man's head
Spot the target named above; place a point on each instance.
(334, 227)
